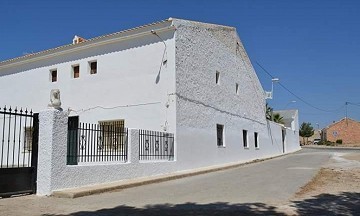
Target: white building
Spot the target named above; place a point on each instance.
(184, 77)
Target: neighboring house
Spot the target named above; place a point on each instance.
(290, 118)
(188, 78)
(347, 130)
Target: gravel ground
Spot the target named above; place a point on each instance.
(335, 190)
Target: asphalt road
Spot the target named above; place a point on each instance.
(255, 186)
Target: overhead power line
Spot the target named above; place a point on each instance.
(298, 97)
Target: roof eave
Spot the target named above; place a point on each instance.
(97, 41)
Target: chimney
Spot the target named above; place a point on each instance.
(78, 39)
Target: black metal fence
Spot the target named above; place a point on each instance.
(96, 142)
(154, 145)
(16, 137)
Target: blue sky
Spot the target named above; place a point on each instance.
(313, 47)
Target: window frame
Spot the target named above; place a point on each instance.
(116, 134)
(91, 69)
(73, 71)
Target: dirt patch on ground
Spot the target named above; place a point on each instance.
(335, 190)
(332, 180)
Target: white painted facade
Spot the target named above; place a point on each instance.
(152, 81)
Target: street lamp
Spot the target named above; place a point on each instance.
(293, 101)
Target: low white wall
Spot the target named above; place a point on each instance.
(194, 148)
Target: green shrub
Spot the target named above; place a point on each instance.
(322, 142)
(339, 141)
(328, 143)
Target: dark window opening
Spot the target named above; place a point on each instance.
(245, 139)
(53, 75)
(220, 135)
(217, 79)
(256, 137)
(76, 71)
(93, 67)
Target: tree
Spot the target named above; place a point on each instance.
(306, 130)
(269, 112)
(278, 118)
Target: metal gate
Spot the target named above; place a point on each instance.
(18, 151)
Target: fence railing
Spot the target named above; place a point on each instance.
(96, 142)
(154, 145)
(16, 137)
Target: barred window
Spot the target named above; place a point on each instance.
(113, 135)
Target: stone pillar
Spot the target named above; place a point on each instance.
(52, 149)
(133, 143)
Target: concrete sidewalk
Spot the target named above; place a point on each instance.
(256, 188)
(106, 187)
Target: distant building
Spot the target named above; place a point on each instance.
(347, 130)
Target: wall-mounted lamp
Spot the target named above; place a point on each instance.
(269, 95)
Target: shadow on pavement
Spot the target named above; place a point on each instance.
(346, 203)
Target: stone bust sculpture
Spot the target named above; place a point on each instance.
(55, 101)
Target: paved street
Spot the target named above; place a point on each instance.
(253, 188)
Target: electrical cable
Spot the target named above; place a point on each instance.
(108, 108)
(298, 97)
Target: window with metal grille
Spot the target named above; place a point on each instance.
(113, 135)
(93, 67)
(76, 71)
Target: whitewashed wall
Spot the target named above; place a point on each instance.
(128, 78)
(201, 51)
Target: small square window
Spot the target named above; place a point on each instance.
(220, 135)
(245, 139)
(53, 74)
(256, 139)
(217, 79)
(237, 88)
(76, 71)
(93, 67)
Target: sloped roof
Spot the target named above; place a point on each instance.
(88, 41)
(343, 119)
(286, 114)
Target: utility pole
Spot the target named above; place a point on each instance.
(346, 115)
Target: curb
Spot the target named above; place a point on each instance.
(123, 184)
(331, 147)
